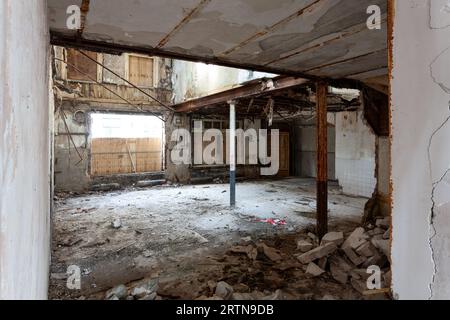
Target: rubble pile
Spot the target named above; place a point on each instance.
(347, 260)
(296, 267)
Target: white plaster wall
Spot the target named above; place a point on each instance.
(192, 80)
(24, 150)
(420, 150)
(355, 154)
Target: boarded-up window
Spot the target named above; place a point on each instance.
(85, 69)
(140, 70)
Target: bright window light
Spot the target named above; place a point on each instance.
(125, 126)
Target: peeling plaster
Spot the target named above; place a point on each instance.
(420, 153)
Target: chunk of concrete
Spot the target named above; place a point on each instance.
(313, 237)
(140, 292)
(224, 290)
(359, 285)
(354, 258)
(120, 291)
(333, 237)
(383, 245)
(366, 250)
(317, 253)
(271, 253)
(116, 224)
(304, 246)
(355, 239)
(150, 183)
(341, 263)
(338, 274)
(313, 270)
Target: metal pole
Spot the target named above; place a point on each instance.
(232, 153)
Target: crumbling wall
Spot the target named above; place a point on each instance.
(355, 154)
(72, 144)
(24, 150)
(71, 151)
(306, 147)
(176, 172)
(420, 158)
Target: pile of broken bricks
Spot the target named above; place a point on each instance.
(297, 269)
(348, 260)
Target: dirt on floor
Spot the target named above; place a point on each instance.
(185, 238)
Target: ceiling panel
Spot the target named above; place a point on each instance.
(305, 37)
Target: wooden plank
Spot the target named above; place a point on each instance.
(113, 155)
(141, 71)
(322, 157)
(87, 67)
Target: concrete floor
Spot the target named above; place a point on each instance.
(167, 230)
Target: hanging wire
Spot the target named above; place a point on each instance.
(123, 79)
(111, 91)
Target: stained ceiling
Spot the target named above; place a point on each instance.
(308, 38)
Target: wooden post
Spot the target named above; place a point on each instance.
(322, 157)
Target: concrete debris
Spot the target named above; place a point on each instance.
(140, 292)
(359, 285)
(314, 270)
(354, 258)
(317, 253)
(116, 224)
(119, 292)
(376, 231)
(246, 270)
(249, 250)
(313, 237)
(224, 290)
(383, 245)
(356, 238)
(304, 246)
(338, 274)
(333, 237)
(149, 297)
(366, 250)
(384, 223)
(270, 253)
(150, 183)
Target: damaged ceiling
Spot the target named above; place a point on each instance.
(306, 38)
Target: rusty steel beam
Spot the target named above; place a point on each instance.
(271, 28)
(84, 9)
(183, 22)
(322, 158)
(245, 91)
(345, 60)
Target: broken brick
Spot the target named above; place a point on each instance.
(317, 253)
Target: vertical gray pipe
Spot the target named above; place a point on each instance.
(232, 153)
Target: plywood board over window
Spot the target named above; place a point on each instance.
(85, 69)
(140, 71)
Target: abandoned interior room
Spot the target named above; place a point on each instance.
(223, 150)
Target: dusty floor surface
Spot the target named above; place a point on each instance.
(180, 235)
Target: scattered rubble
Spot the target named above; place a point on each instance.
(283, 270)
